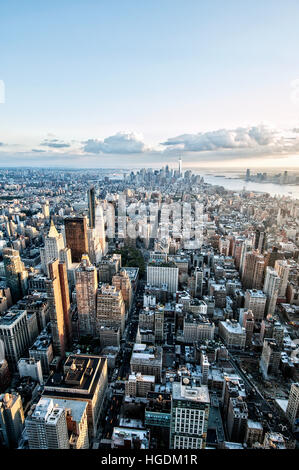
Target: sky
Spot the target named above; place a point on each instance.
(130, 83)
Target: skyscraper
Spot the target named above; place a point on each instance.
(198, 281)
(15, 336)
(46, 426)
(109, 266)
(283, 270)
(260, 239)
(11, 419)
(237, 417)
(46, 209)
(237, 251)
(246, 247)
(190, 407)
(100, 228)
(66, 305)
(54, 244)
(110, 308)
(86, 294)
(15, 273)
(59, 306)
(292, 411)
(76, 237)
(122, 282)
(5, 376)
(204, 363)
(255, 300)
(270, 358)
(94, 246)
(180, 166)
(253, 270)
(76, 421)
(159, 325)
(109, 216)
(91, 196)
(271, 288)
(247, 321)
(83, 378)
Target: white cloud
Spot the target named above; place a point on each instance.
(255, 142)
(54, 143)
(120, 143)
(259, 138)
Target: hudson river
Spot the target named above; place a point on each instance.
(237, 184)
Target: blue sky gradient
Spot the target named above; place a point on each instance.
(78, 71)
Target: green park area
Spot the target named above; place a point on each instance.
(132, 258)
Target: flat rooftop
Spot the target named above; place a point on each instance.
(142, 378)
(132, 273)
(77, 407)
(121, 434)
(256, 293)
(80, 378)
(233, 327)
(254, 424)
(11, 317)
(189, 393)
(42, 342)
(45, 410)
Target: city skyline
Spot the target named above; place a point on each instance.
(126, 85)
(149, 229)
(154, 311)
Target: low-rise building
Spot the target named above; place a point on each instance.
(30, 367)
(233, 334)
(139, 385)
(147, 360)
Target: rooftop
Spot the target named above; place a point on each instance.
(254, 424)
(76, 407)
(256, 293)
(233, 327)
(45, 410)
(122, 434)
(80, 378)
(142, 378)
(42, 342)
(190, 393)
(10, 317)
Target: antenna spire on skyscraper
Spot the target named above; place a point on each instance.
(180, 166)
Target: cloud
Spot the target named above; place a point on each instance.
(125, 148)
(260, 139)
(239, 138)
(1, 144)
(120, 143)
(54, 143)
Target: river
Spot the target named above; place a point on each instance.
(236, 184)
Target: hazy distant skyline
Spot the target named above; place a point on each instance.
(113, 83)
